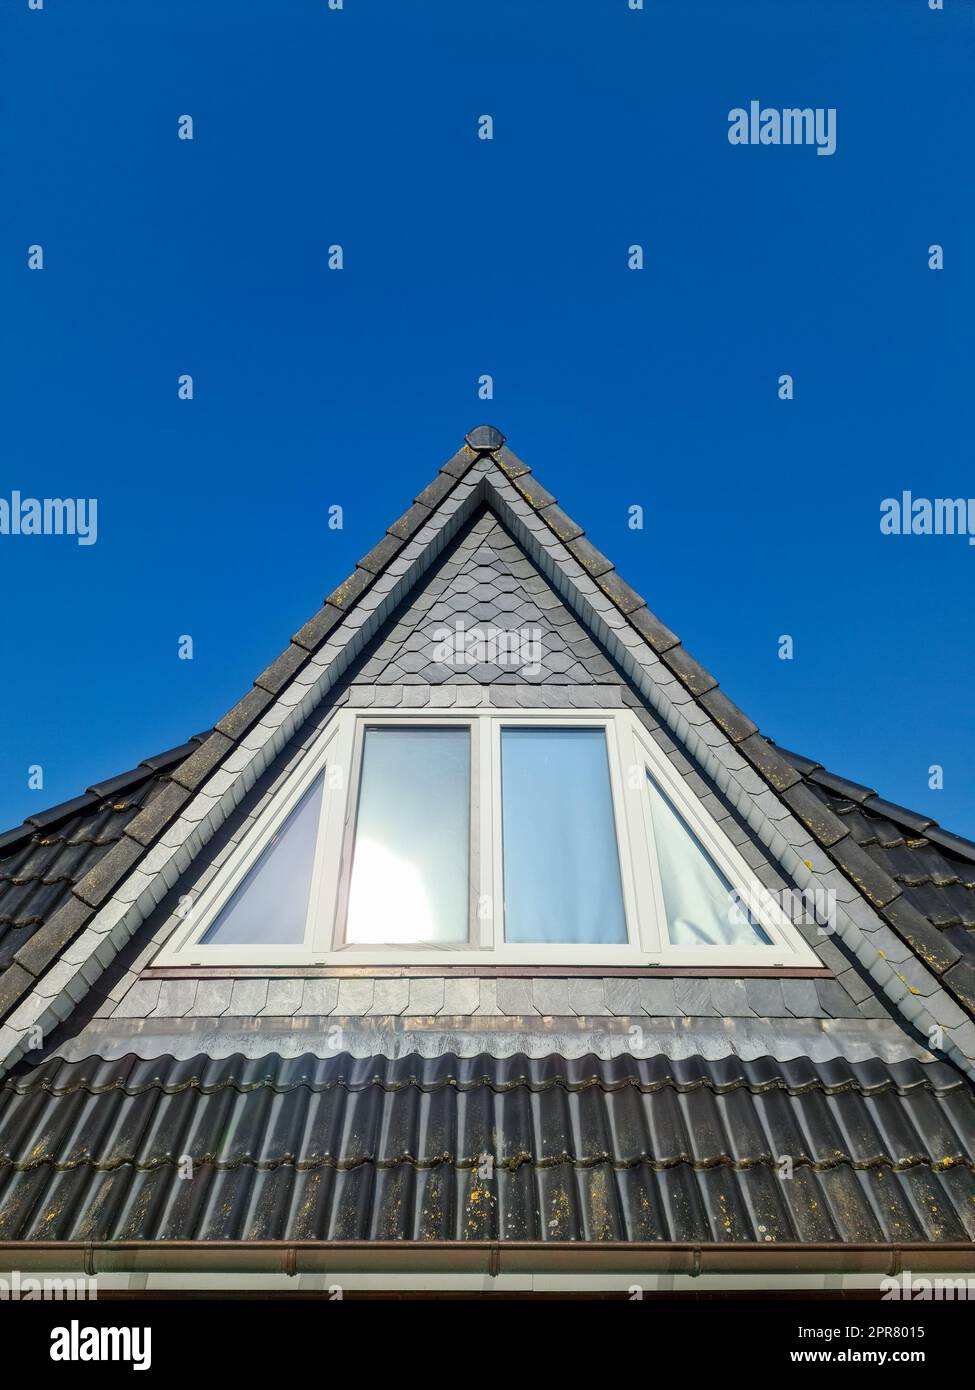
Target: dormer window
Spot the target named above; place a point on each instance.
(487, 836)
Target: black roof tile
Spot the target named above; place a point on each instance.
(276, 676)
(457, 466)
(44, 820)
(112, 786)
(510, 463)
(248, 709)
(652, 630)
(200, 764)
(581, 1149)
(877, 806)
(162, 761)
(804, 765)
(735, 723)
(532, 491)
(957, 844)
(841, 786)
(627, 599)
(345, 595)
(593, 561)
(688, 671)
(961, 978)
(563, 526)
(59, 929)
(382, 552)
(869, 876)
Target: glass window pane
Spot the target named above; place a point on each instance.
(271, 904)
(561, 862)
(703, 909)
(410, 868)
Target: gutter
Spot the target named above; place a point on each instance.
(482, 1257)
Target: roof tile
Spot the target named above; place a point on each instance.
(58, 931)
(727, 714)
(764, 756)
(156, 815)
(927, 941)
(627, 600)
(457, 466)
(631, 1149)
(961, 978)
(510, 463)
(593, 561)
(534, 494)
(865, 872)
(652, 630)
(688, 671)
(815, 815)
(276, 676)
(382, 552)
(96, 885)
(238, 720)
(411, 521)
(345, 595)
(563, 526)
(46, 820)
(200, 764)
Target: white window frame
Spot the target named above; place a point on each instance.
(631, 755)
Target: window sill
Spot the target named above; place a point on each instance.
(436, 968)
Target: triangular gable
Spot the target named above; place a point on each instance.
(108, 905)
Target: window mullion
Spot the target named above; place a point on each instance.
(326, 893)
(486, 926)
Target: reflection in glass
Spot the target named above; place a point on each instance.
(410, 867)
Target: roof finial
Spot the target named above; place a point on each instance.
(485, 438)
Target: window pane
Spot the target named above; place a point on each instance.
(271, 904)
(702, 907)
(412, 838)
(561, 863)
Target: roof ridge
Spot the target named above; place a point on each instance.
(104, 790)
(905, 1077)
(499, 1087)
(871, 801)
(511, 1163)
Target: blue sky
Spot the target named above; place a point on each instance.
(508, 257)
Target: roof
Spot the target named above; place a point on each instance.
(42, 860)
(922, 888)
(935, 869)
(494, 1108)
(483, 1148)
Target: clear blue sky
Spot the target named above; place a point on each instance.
(507, 257)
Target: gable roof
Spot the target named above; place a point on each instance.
(790, 803)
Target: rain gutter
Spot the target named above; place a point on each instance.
(492, 1258)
